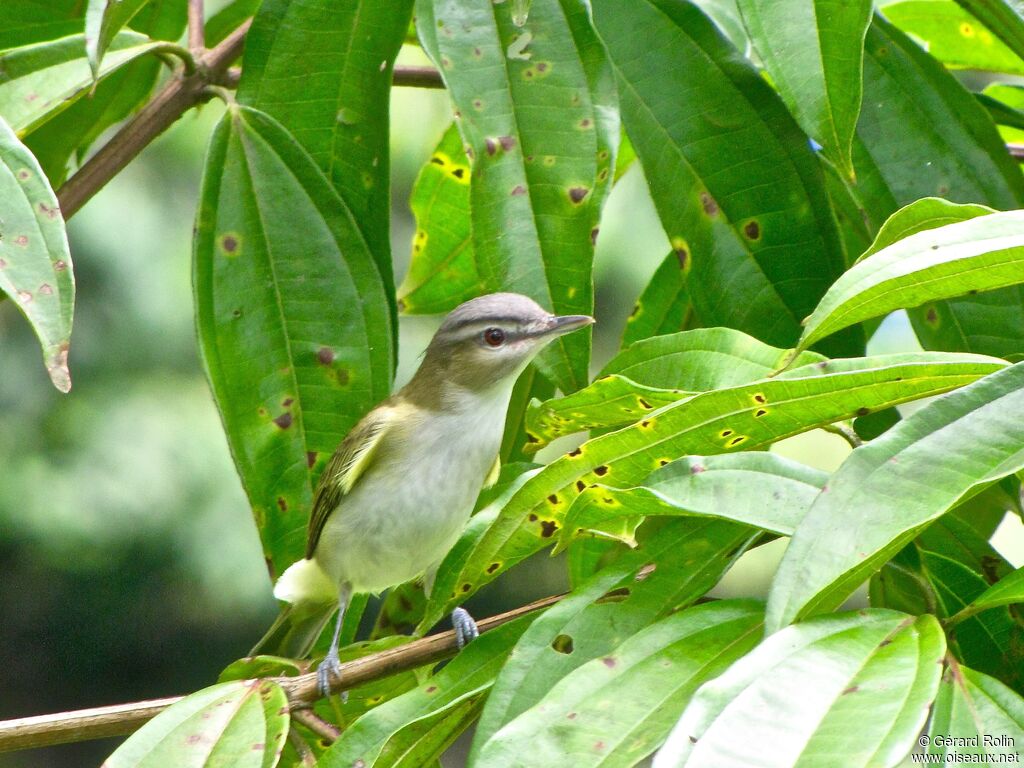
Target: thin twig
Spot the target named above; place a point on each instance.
(121, 719)
(417, 77)
(196, 29)
(326, 731)
(846, 433)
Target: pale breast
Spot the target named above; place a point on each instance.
(408, 509)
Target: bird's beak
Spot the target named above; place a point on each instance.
(557, 326)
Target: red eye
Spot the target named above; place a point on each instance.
(494, 336)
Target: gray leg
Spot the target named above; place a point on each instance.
(331, 665)
(465, 628)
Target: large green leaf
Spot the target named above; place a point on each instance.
(323, 69)
(978, 254)
(38, 82)
(242, 723)
(973, 707)
(536, 108)
(103, 20)
(722, 421)
(228, 18)
(753, 487)
(292, 315)
(443, 271)
(820, 569)
(416, 727)
(673, 567)
(616, 709)
(739, 191)
(664, 306)
(922, 134)
(814, 53)
(953, 36)
(850, 689)
(35, 262)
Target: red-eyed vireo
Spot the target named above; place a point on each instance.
(397, 493)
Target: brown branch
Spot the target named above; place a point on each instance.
(417, 77)
(178, 96)
(326, 731)
(121, 719)
(196, 29)
(1016, 151)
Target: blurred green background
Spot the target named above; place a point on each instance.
(130, 566)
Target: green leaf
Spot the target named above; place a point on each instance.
(921, 215)
(103, 20)
(974, 706)
(443, 271)
(722, 421)
(856, 685)
(343, 55)
(416, 727)
(292, 316)
(700, 360)
(38, 82)
(1007, 591)
(953, 36)
(754, 488)
(671, 568)
(35, 262)
(1004, 104)
(616, 709)
(814, 53)
(1002, 18)
(758, 235)
(537, 111)
(820, 569)
(979, 254)
(664, 306)
(242, 723)
(610, 401)
(947, 146)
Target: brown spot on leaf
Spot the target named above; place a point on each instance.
(24, 297)
(696, 469)
(490, 145)
(601, 471)
(759, 398)
(759, 413)
(45, 289)
(542, 66)
(437, 160)
(3, 263)
(466, 587)
(576, 194)
(431, 689)
(851, 689)
(708, 203)
(593, 235)
(580, 486)
(683, 256)
(282, 504)
(585, 123)
(644, 404)
(752, 230)
(574, 452)
(548, 528)
(662, 462)
(284, 420)
(553, 498)
(229, 244)
(459, 172)
(325, 355)
(49, 211)
(932, 316)
(532, 518)
(310, 458)
(493, 567)
(609, 661)
(507, 142)
(864, 411)
(286, 402)
(60, 265)
(21, 240)
(517, 190)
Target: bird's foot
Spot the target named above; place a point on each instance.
(330, 666)
(465, 628)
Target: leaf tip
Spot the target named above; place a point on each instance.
(57, 368)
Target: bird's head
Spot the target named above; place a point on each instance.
(488, 341)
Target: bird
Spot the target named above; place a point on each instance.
(398, 491)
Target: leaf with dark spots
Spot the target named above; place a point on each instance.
(562, 643)
(260, 185)
(752, 230)
(548, 528)
(537, 243)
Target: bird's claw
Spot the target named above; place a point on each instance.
(330, 666)
(465, 628)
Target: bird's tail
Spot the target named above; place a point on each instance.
(310, 599)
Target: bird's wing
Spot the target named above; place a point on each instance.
(348, 463)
